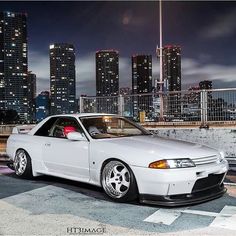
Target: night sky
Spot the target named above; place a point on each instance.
(206, 31)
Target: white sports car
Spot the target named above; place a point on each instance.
(121, 156)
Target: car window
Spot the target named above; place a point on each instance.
(45, 128)
(111, 127)
(58, 131)
(54, 127)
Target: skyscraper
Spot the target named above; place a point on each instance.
(62, 78)
(126, 92)
(142, 83)
(214, 105)
(107, 73)
(31, 79)
(42, 106)
(172, 67)
(172, 78)
(107, 80)
(205, 84)
(14, 63)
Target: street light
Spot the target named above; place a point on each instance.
(159, 52)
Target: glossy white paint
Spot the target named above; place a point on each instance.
(83, 160)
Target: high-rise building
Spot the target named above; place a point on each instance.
(127, 107)
(14, 64)
(141, 84)
(214, 105)
(172, 67)
(193, 95)
(42, 106)
(191, 110)
(62, 78)
(107, 73)
(172, 78)
(107, 80)
(125, 91)
(206, 84)
(31, 78)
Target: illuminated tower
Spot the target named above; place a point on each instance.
(172, 78)
(14, 64)
(142, 83)
(107, 80)
(62, 78)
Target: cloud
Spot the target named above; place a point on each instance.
(128, 18)
(125, 71)
(39, 64)
(85, 74)
(193, 72)
(223, 26)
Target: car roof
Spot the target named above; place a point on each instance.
(84, 115)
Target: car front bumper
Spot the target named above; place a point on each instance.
(185, 186)
(184, 199)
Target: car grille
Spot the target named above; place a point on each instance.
(208, 182)
(205, 160)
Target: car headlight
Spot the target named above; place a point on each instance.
(171, 164)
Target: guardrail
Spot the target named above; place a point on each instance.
(6, 129)
(3, 141)
(197, 106)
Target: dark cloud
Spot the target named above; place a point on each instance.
(223, 25)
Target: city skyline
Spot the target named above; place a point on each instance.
(132, 29)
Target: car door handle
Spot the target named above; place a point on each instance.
(47, 144)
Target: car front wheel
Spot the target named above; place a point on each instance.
(22, 164)
(118, 181)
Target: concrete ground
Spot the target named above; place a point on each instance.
(231, 177)
(53, 206)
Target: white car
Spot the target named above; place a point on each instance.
(121, 156)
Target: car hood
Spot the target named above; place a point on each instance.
(150, 148)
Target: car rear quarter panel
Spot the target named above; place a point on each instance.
(31, 144)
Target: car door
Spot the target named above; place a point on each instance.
(65, 157)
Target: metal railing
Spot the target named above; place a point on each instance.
(202, 106)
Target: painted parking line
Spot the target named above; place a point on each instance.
(225, 219)
(203, 213)
(163, 216)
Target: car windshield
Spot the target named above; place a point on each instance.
(101, 127)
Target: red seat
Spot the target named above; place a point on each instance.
(68, 129)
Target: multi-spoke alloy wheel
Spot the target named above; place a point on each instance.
(22, 164)
(118, 181)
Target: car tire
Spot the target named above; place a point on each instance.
(118, 181)
(22, 164)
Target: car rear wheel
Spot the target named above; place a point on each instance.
(118, 181)
(22, 164)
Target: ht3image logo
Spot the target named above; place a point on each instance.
(101, 229)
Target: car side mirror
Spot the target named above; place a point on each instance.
(75, 136)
